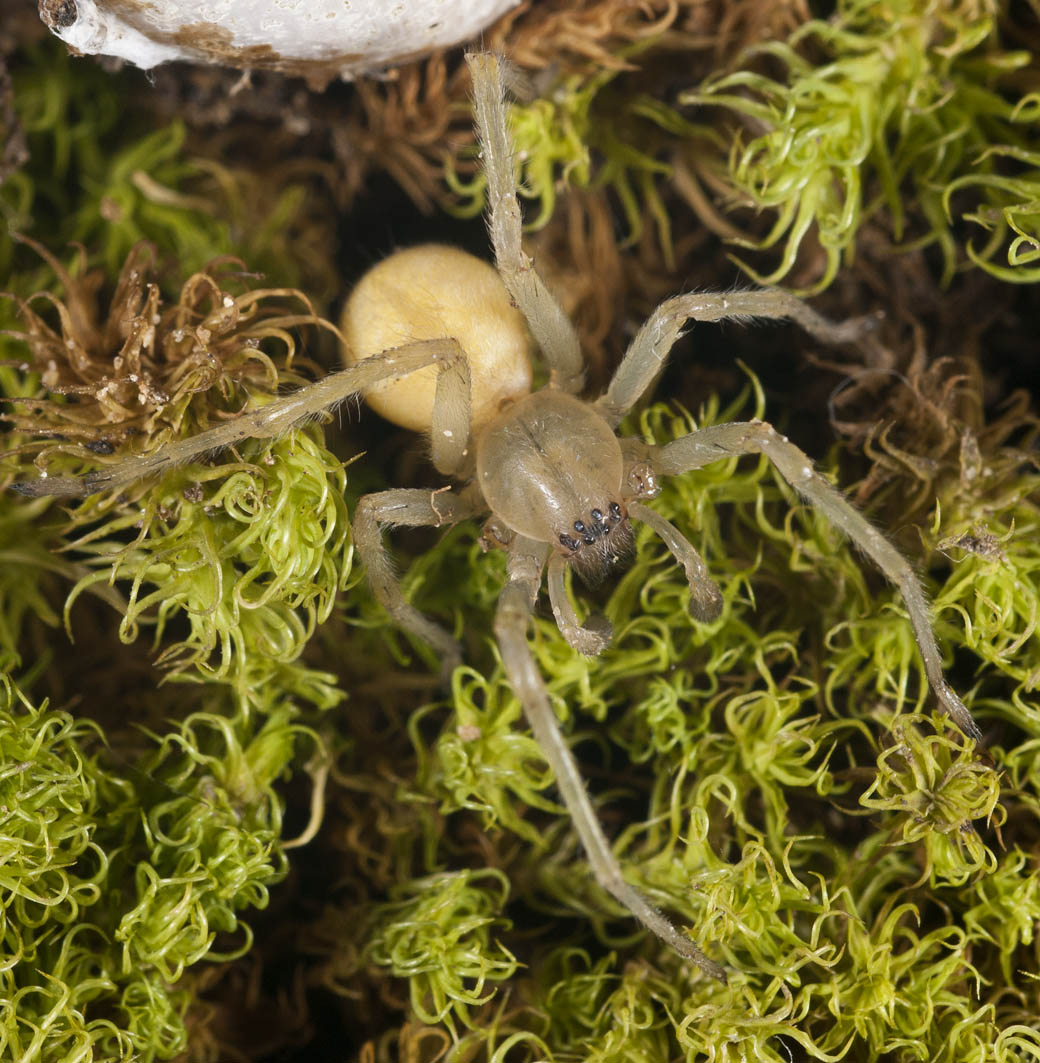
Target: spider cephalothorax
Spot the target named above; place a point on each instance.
(550, 468)
(446, 341)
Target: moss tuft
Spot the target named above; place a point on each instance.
(887, 107)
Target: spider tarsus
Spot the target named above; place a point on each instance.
(709, 967)
(705, 605)
(591, 638)
(957, 711)
(659, 924)
(55, 486)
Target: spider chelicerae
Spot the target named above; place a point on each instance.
(439, 342)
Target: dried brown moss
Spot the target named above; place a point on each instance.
(141, 369)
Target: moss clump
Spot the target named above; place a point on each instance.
(148, 820)
(440, 933)
(1007, 197)
(211, 545)
(106, 175)
(107, 892)
(250, 555)
(211, 843)
(774, 780)
(939, 789)
(888, 109)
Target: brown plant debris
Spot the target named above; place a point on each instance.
(143, 369)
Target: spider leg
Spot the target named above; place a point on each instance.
(413, 508)
(705, 596)
(756, 437)
(590, 638)
(281, 414)
(646, 354)
(452, 408)
(526, 560)
(550, 326)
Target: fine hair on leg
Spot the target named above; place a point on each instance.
(413, 508)
(269, 421)
(646, 354)
(590, 638)
(705, 596)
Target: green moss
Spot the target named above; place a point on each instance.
(859, 896)
(1009, 205)
(211, 843)
(937, 789)
(27, 566)
(112, 881)
(888, 110)
(52, 867)
(437, 933)
(486, 763)
(773, 780)
(250, 554)
(103, 176)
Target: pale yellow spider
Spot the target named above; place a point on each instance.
(560, 486)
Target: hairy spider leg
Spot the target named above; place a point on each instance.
(645, 359)
(414, 508)
(648, 352)
(450, 446)
(708, 445)
(450, 424)
(288, 411)
(552, 329)
(524, 569)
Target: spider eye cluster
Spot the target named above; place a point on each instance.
(600, 543)
(594, 529)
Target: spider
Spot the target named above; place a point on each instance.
(559, 484)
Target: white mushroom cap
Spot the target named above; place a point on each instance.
(308, 37)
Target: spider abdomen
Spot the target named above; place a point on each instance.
(429, 292)
(550, 467)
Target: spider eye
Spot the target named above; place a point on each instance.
(579, 526)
